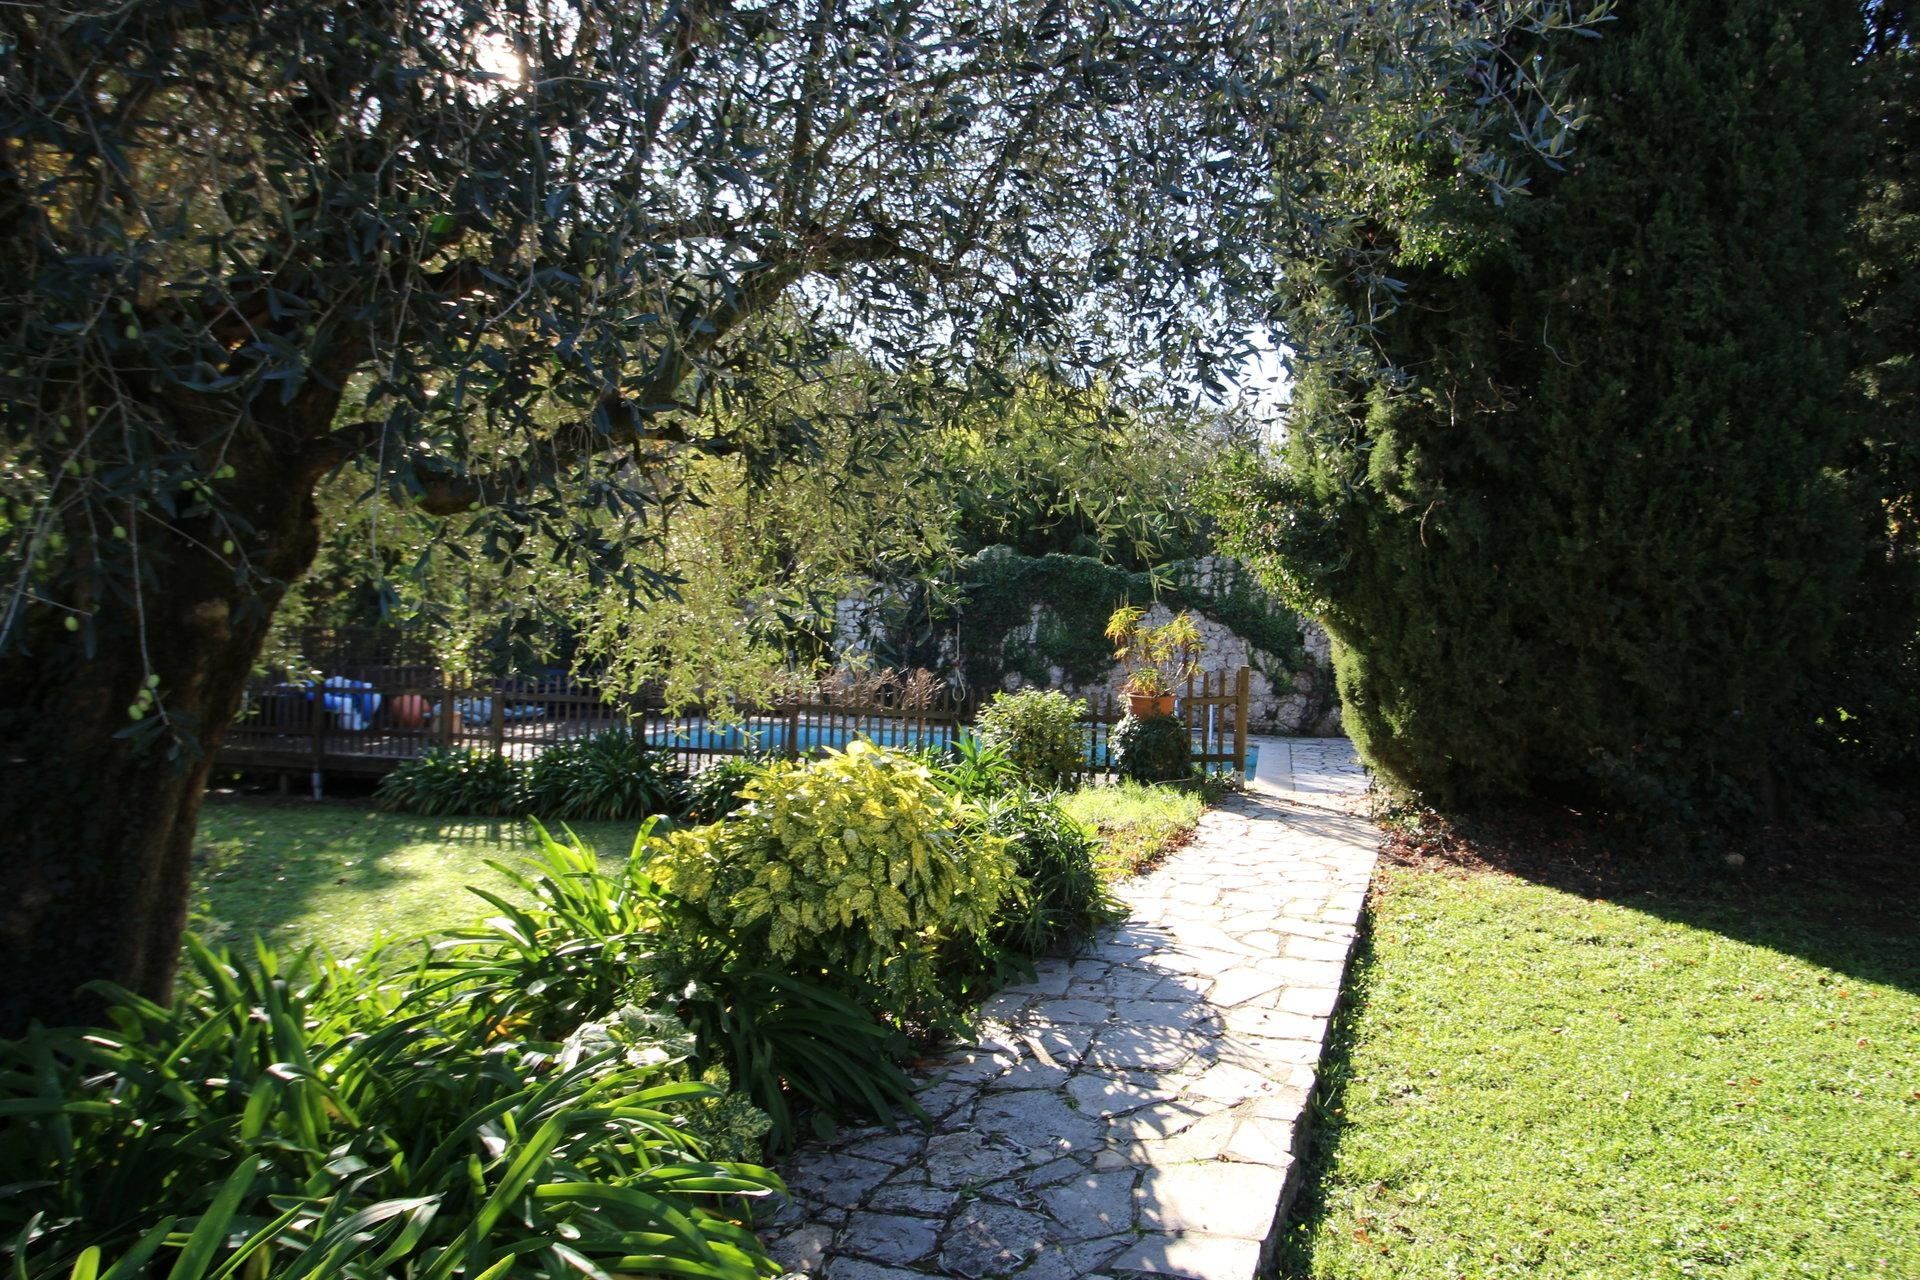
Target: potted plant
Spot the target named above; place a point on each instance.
(1156, 659)
(1148, 694)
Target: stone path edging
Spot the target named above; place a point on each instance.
(1134, 1110)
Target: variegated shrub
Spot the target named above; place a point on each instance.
(854, 868)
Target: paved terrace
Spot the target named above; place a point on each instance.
(1137, 1109)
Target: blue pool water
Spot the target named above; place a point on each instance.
(812, 736)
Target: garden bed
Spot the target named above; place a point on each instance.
(579, 1070)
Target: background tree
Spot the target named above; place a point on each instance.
(1065, 502)
(744, 566)
(757, 567)
(506, 254)
(1058, 470)
(1576, 521)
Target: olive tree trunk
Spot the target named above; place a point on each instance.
(97, 825)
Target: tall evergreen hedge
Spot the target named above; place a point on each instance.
(1871, 704)
(1589, 537)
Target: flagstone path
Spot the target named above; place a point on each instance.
(1136, 1109)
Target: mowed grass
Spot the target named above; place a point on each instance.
(1530, 1083)
(342, 873)
(1136, 825)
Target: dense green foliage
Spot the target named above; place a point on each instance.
(1058, 898)
(1151, 748)
(569, 942)
(454, 780)
(579, 943)
(609, 775)
(755, 555)
(796, 1048)
(1871, 699)
(1587, 536)
(1529, 1084)
(1084, 492)
(324, 1119)
(1040, 732)
(852, 870)
(595, 779)
(1059, 901)
(716, 791)
(972, 769)
(1014, 615)
(1053, 471)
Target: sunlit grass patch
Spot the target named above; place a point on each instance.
(342, 873)
(1531, 1083)
(1137, 825)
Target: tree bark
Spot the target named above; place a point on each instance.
(96, 830)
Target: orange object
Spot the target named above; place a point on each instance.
(409, 711)
(1142, 705)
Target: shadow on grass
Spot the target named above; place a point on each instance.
(1838, 898)
(1868, 939)
(340, 872)
(1843, 897)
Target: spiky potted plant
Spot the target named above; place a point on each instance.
(1156, 659)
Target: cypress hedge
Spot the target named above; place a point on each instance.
(1585, 531)
(1870, 700)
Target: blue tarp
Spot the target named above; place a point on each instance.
(480, 710)
(349, 710)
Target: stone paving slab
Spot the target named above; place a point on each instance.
(1136, 1109)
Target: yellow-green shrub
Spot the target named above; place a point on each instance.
(852, 869)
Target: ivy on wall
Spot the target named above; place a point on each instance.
(997, 592)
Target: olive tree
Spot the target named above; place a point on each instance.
(503, 257)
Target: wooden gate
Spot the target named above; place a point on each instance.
(1214, 709)
(1216, 718)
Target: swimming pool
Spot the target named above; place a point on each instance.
(810, 737)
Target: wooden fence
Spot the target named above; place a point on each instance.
(1214, 713)
(368, 727)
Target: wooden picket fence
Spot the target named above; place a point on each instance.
(369, 727)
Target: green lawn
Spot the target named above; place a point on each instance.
(342, 873)
(1530, 1083)
(1137, 824)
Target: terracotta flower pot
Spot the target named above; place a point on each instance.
(409, 711)
(1142, 705)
